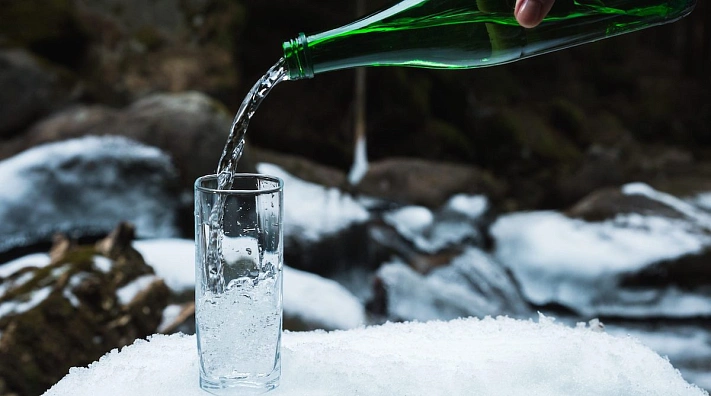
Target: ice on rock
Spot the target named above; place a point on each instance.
(89, 183)
(127, 293)
(431, 233)
(172, 259)
(18, 307)
(689, 210)
(312, 211)
(579, 264)
(103, 264)
(471, 206)
(472, 285)
(492, 357)
(703, 200)
(38, 260)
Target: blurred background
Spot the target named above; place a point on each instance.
(109, 110)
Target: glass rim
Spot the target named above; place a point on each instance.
(278, 188)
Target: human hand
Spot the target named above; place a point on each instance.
(529, 13)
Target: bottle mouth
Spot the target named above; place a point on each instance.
(296, 55)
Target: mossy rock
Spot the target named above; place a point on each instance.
(73, 310)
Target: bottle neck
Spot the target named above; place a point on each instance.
(297, 59)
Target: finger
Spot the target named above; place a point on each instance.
(530, 13)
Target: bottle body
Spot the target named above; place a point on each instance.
(461, 34)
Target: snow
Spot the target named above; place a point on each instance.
(312, 211)
(38, 260)
(170, 315)
(322, 301)
(703, 200)
(171, 258)
(679, 205)
(103, 264)
(463, 357)
(471, 206)
(15, 307)
(689, 347)
(410, 220)
(304, 293)
(578, 264)
(89, 183)
(127, 293)
(429, 232)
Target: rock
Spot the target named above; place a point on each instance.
(30, 90)
(608, 203)
(600, 168)
(83, 187)
(301, 167)
(473, 284)
(427, 183)
(73, 309)
(191, 127)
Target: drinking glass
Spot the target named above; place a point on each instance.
(238, 283)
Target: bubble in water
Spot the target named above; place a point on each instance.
(242, 282)
(249, 251)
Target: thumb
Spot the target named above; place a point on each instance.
(530, 13)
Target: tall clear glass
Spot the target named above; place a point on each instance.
(238, 283)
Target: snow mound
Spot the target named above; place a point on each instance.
(463, 357)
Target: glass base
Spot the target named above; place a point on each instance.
(239, 386)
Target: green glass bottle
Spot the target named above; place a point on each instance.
(461, 34)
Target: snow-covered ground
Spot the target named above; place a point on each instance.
(463, 357)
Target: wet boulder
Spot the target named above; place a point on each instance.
(71, 307)
(426, 183)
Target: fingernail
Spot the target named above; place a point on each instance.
(530, 12)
